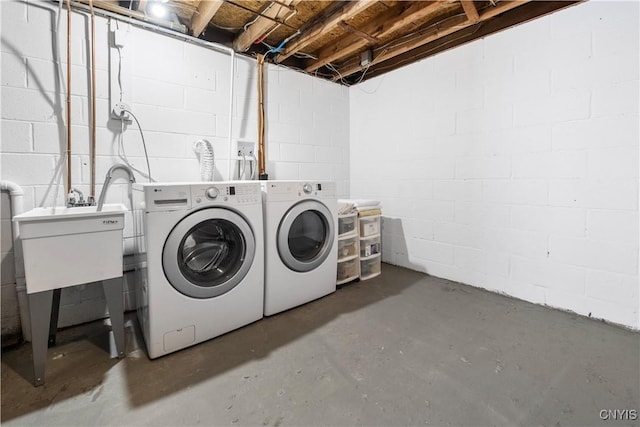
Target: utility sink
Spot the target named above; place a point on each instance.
(68, 246)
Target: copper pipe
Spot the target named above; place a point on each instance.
(262, 173)
(68, 189)
(92, 151)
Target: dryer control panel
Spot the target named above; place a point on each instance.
(227, 193)
(294, 190)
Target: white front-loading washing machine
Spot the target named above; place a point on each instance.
(301, 227)
(201, 256)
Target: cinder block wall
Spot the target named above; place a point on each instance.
(511, 163)
(179, 91)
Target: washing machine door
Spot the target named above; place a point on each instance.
(208, 253)
(305, 235)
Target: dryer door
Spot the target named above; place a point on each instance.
(208, 253)
(305, 235)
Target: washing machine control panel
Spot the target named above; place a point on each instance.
(229, 193)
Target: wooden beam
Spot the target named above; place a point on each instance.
(276, 11)
(525, 13)
(348, 10)
(389, 22)
(432, 34)
(203, 14)
(470, 10)
(142, 5)
(353, 30)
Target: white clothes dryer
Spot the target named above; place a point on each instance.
(201, 257)
(301, 226)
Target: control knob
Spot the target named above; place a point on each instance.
(307, 188)
(212, 193)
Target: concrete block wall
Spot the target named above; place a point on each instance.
(179, 91)
(511, 163)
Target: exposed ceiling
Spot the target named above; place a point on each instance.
(343, 41)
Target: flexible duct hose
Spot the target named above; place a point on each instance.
(204, 152)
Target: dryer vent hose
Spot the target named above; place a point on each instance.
(204, 152)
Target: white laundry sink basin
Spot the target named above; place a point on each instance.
(69, 246)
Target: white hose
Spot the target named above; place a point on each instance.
(17, 207)
(204, 152)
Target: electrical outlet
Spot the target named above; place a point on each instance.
(246, 148)
(121, 111)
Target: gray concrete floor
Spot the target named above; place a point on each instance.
(401, 349)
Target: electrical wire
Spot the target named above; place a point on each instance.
(144, 146)
(119, 71)
(397, 42)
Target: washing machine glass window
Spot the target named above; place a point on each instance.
(208, 253)
(305, 236)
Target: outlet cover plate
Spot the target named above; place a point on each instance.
(246, 148)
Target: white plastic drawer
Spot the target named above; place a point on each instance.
(370, 246)
(347, 270)
(347, 247)
(347, 223)
(369, 225)
(370, 267)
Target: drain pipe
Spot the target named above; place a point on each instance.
(17, 207)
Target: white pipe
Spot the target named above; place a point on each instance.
(231, 83)
(17, 207)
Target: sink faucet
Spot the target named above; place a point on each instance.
(107, 182)
(80, 201)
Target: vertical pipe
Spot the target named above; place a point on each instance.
(68, 189)
(92, 150)
(17, 207)
(262, 173)
(232, 74)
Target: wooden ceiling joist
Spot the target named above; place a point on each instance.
(456, 24)
(267, 21)
(384, 25)
(348, 10)
(204, 12)
(470, 10)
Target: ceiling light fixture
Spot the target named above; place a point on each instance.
(159, 10)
